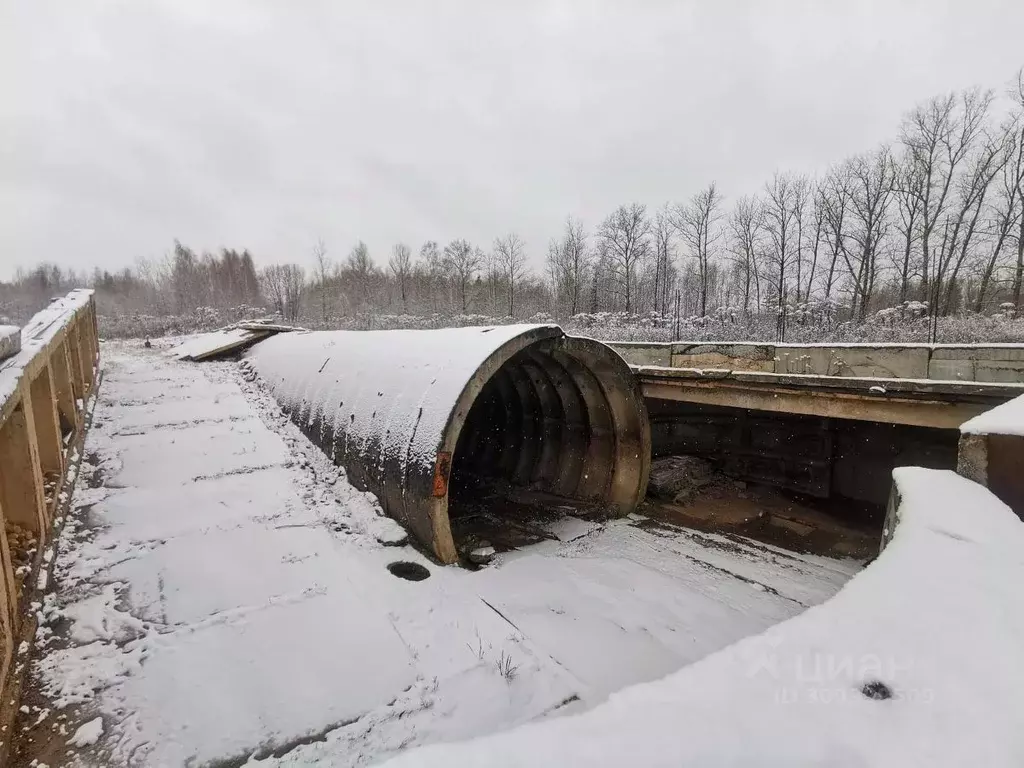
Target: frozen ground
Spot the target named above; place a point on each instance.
(224, 598)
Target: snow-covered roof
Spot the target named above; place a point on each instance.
(917, 661)
(408, 379)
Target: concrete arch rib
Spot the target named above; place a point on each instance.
(407, 413)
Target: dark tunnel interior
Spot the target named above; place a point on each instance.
(533, 427)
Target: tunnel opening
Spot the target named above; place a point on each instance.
(557, 428)
(803, 482)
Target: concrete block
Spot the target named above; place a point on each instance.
(972, 458)
(737, 357)
(1002, 371)
(1013, 352)
(862, 361)
(718, 360)
(951, 370)
(10, 341)
(644, 354)
(803, 360)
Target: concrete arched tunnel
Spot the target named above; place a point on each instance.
(420, 418)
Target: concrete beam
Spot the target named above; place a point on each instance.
(919, 413)
(944, 405)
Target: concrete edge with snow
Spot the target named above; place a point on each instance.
(1005, 419)
(918, 660)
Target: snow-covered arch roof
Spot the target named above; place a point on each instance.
(390, 406)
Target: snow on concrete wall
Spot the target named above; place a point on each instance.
(918, 661)
(1005, 419)
(941, 362)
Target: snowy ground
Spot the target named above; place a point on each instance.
(224, 596)
(916, 662)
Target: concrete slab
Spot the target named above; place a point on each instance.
(738, 357)
(980, 352)
(638, 353)
(1005, 371)
(859, 361)
(951, 370)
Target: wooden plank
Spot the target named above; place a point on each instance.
(64, 390)
(273, 327)
(48, 433)
(209, 345)
(82, 330)
(8, 592)
(35, 466)
(75, 353)
(21, 482)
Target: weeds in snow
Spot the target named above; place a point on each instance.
(479, 650)
(506, 668)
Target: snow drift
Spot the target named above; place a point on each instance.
(916, 662)
(406, 412)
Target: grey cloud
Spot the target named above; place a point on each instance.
(267, 124)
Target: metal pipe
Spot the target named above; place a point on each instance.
(406, 412)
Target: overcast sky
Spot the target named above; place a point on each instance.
(266, 125)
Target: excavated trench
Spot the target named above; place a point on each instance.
(443, 425)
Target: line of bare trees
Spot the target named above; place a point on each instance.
(935, 218)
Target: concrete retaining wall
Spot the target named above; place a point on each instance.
(640, 353)
(1002, 363)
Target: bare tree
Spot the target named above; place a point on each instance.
(745, 225)
(871, 184)
(463, 262)
(698, 225)
(834, 199)
(359, 271)
(985, 159)
(510, 253)
(400, 265)
(664, 255)
(322, 265)
(908, 207)
(801, 197)
(1017, 94)
(816, 234)
(568, 263)
(937, 137)
(283, 284)
(435, 267)
(625, 235)
(780, 227)
(1007, 212)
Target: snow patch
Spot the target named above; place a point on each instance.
(87, 734)
(97, 618)
(928, 636)
(1005, 419)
